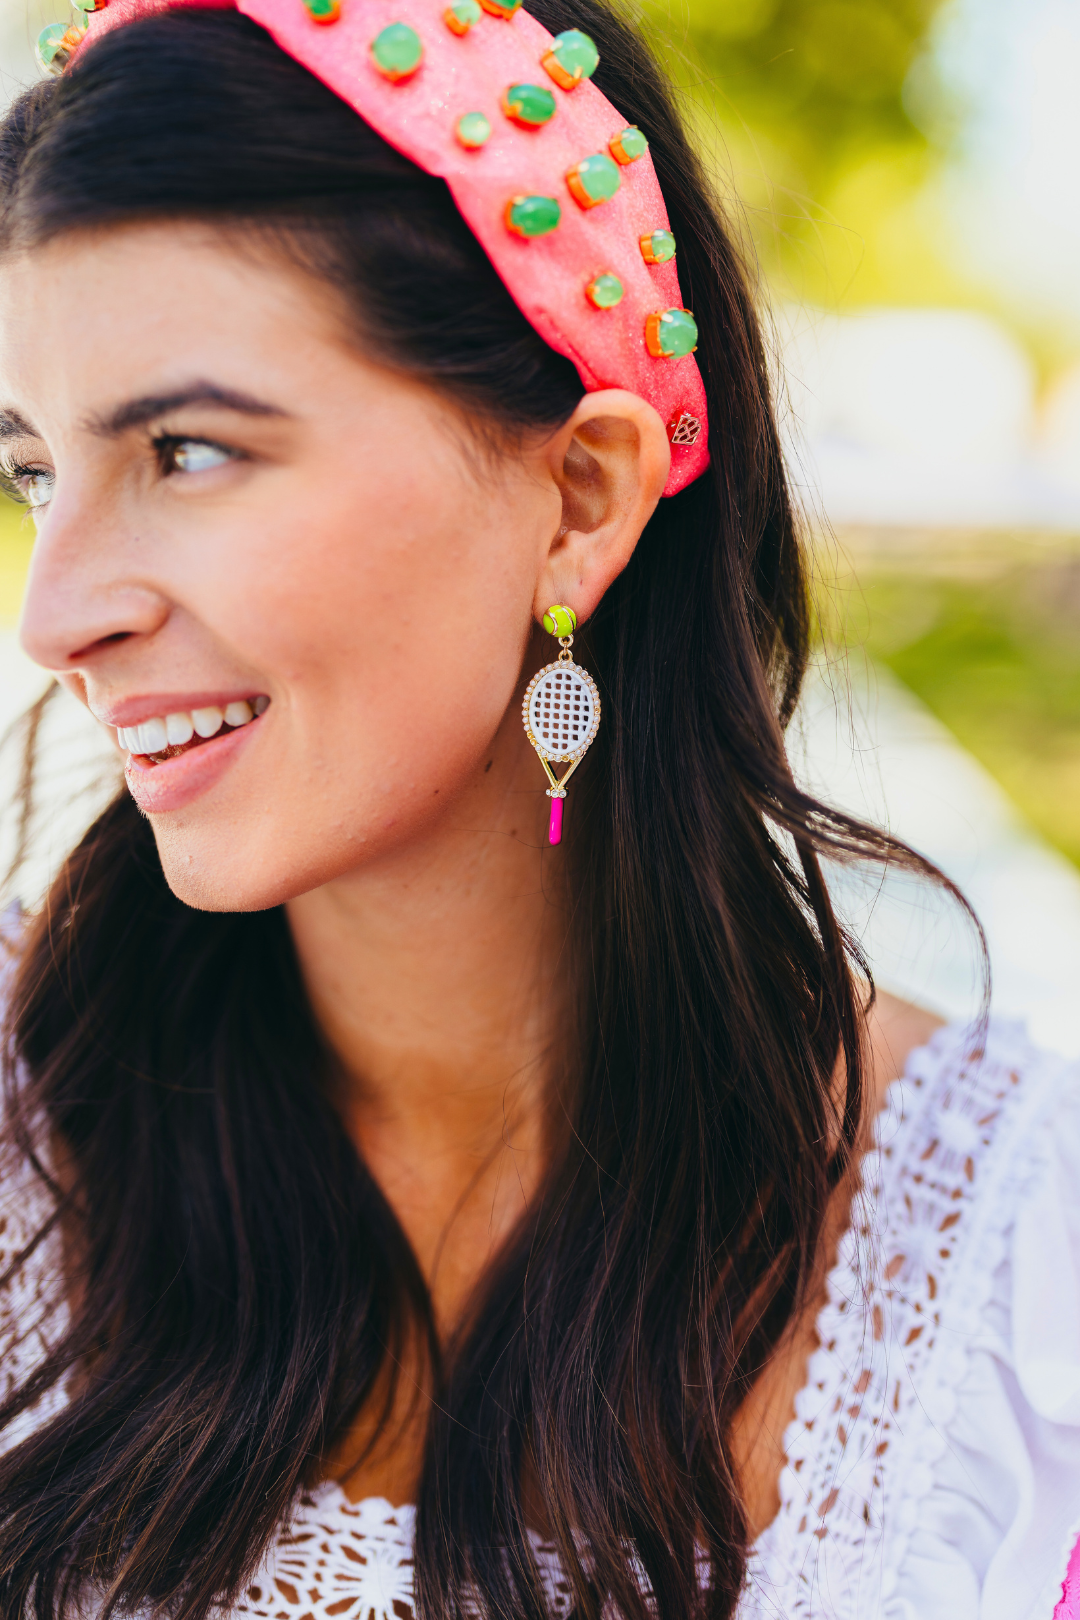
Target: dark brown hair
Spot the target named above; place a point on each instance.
(241, 1279)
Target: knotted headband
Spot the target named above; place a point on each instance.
(560, 192)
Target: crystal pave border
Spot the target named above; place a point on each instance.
(594, 727)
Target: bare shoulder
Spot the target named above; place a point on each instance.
(894, 1028)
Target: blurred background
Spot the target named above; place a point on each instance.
(903, 174)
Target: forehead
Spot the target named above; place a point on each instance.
(94, 307)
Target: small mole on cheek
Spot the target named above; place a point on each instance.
(488, 766)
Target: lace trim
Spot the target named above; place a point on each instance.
(354, 1561)
(949, 1161)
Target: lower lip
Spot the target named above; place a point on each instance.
(177, 782)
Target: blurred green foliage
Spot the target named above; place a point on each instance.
(816, 137)
(995, 654)
(823, 80)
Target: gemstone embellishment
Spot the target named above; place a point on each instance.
(472, 130)
(572, 57)
(604, 292)
(461, 16)
(684, 429)
(593, 180)
(57, 44)
(497, 9)
(532, 216)
(529, 105)
(628, 145)
(397, 51)
(658, 247)
(323, 11)
(671, 333)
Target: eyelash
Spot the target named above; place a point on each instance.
(165, 447)
(11, 476)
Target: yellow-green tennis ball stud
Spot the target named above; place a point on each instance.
(560, 621)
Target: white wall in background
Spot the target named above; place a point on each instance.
(866, 745)
(926, 417)
(998, 88)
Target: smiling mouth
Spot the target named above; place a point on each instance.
(166, 736)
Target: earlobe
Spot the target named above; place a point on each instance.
(610, 462)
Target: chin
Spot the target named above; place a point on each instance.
(207, 875)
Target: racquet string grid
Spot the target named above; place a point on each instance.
(562, 712)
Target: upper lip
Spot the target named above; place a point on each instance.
(133, 711)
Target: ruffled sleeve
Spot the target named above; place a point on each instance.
(933, 1466)
(993, 1501)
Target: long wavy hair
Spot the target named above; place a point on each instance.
(237, 1283)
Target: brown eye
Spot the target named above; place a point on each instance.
(36, 486)
(196, 455)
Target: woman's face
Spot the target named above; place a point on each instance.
(242, 515)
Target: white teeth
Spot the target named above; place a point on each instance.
(152, 738)
(174, 730)
(207, 721)
(178, 729)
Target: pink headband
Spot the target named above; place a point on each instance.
(559, 191)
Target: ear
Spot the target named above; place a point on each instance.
(610, 462)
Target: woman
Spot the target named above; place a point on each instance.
(410, 1210)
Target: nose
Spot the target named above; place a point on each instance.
(83, 596)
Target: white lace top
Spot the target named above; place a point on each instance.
(933, 1468)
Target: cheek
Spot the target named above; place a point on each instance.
(390, 633)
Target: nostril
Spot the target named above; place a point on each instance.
(102, 641)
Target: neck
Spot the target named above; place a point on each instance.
(435, 976)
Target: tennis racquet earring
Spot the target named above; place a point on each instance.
(561, 713)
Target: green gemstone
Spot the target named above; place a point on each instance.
(533, 216)
(529, 104)
(397, 50)
(466, 13)
(631, 143)
(473, 130)
(598, 177)
(323, 11)
(661, 247)
(48, 42)
(53, 47)
(678, 332)
(605, 291)
(576, 54)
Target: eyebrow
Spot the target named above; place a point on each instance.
(14, 426)
(137, 412)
